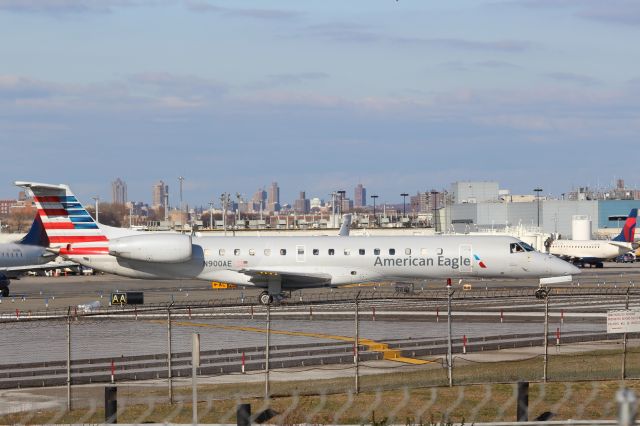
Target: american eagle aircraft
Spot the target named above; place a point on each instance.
(279, 264)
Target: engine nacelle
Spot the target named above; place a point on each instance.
(161, 248)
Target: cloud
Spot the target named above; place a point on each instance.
(460, 66)
(613, 11)
(354, 33)
(583, 80)
(63, 7)
(288, 79)
(201, 6)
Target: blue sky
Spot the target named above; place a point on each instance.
(401, 96)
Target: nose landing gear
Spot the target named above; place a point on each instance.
(542, 293)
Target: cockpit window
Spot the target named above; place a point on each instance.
(520, 247)
(527, 247)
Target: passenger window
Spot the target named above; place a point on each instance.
(316, 252)
(392, 251)
(376, 252)
(407, 251)
(347, 252)
(267, 252)
(423, 251)
(332, 252)
(252, 252)
(236, 252)
(362, 252)
(283, 252)
(221, 252)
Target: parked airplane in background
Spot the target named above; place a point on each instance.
(594, 252)
(280, 263)
(28, 254)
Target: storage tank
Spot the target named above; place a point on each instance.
(581, 228)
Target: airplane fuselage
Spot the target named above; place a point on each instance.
(591, 250)
(14, 255)
(345, 260)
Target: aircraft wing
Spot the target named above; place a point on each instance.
(14, 271)
(288, 278)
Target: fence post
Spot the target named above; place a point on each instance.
(624, 342)
(111, 404)
(627, 407)
(546, 337)
(169, 372)
(356, 349)
(450, 292)
(266, 354)
(243, 415)
(522, 409)
(69, 359)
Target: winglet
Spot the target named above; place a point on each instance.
(346, 224)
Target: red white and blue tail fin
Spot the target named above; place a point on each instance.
(629, 228)
(65, 220)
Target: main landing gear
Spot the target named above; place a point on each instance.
(267, 299)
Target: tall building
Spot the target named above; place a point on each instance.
(118, 192)
(274, 197)
(360, 196)
(258, 202)
(302, 204)
(160, 193)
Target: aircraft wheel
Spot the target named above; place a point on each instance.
(4, 291)
(541, 293)
(265, 298)
(599, 265)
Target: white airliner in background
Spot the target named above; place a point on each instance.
(28, 254)
(594, 252)
(277, 264)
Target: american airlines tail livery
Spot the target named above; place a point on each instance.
(278, 264)
(593, 252)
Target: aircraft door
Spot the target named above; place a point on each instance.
(300, 254)
(466, 258)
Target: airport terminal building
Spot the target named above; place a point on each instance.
(488, 208)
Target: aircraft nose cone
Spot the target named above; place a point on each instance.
(560, 267)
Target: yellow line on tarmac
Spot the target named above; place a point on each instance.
(388, 354)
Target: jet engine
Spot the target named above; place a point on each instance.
(160, 248)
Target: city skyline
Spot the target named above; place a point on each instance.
(467, 90)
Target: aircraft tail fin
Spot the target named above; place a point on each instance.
(65, 221)
(36, 235)
(629, 229)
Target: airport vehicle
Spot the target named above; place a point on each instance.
(277, 264)
(626, 258)
(28, 254)
(594, 252)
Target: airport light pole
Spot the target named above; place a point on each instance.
(181, 179)
(404, 204)
(211, 215)
(538, 191)
(97, 200)
(342, 194)
(375, 221)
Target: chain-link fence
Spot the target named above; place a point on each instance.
(300, 360)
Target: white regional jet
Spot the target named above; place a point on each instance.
(593, 252)
(28, 254)
(277, 264)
